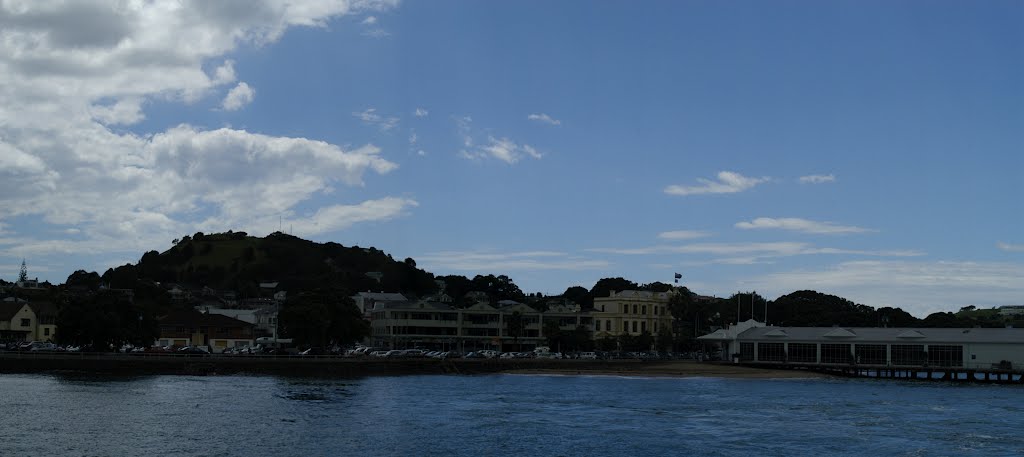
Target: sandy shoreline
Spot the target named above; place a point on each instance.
(680, 369)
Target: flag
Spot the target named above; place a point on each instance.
(678, 276)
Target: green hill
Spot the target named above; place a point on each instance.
(237, 261)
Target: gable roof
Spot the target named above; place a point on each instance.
(9, 309)
(196, 318)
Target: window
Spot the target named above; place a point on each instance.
(871, 354)
(643, 310)
(46, 331)
(625, 326)
(608, 325)
(655, 310)
(803, 353)
(26, 322)
(746, 351)
(634, 326)
(835, 353)
(771, 352)
(945, 356)
(643, 326)
(908, 354)
(625, 309)
(634, 309)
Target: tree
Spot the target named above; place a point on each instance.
(579, 295)
(604, 286)
(322, 317)
(85, 280)
(644, 341)
(553, 332)
(104, 320)
(515, 326)
(663, 341)
(23, 273)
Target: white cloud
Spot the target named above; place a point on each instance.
(920, 288)
(753, 250)
(503, 149)
(544, 118)
(72, 69)
(817, 179)
(370, 20)
(238, 97)
(420, 112)
(480, 261)
(506, 150)
(800, 225)
(1010, 247)
(682, 234)
(370, 117)
(728, 182)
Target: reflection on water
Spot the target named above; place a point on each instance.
(501, 415)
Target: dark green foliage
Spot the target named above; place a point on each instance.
(580, 296)
(515, 326)
(104, 319)
(84, 280)
(322, 317)
(498, 288)
(604, 286)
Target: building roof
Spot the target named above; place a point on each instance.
(406, 305)
(635, 294)
(890, 335)
(9, 309)
(43, 308)
(198, 319)
(382, 296)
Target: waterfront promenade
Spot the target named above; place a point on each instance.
(130, 364)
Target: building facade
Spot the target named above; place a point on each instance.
(631, 312)
(971, 348)
(407, 324)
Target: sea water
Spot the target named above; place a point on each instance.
(499, 415)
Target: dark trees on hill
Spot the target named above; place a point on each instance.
(105, 319)
(606, 285)
(807, 308)
(322, 317)
(84, 280)
(498, 288)
(580, 296)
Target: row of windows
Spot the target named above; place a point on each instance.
(867, 354)
(642, 309)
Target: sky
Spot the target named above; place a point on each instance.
(867, 149)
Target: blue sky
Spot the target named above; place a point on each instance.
(866, 149)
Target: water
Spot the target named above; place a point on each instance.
(502, 415)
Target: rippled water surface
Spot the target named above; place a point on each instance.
(502, 415)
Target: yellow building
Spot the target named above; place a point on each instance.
(631, 312)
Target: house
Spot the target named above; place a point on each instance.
(193, 328)
(631, 312)
(17, 321)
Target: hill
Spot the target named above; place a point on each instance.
(239, 262)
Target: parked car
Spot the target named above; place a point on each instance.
(588, 355)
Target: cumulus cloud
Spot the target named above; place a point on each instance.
(728, 182)
(682, 234)
(370, 117)
(544, 119)
(420, 112)
(73, 70)
(1010, 247)
(238, 97)
(817, 179)
(800, 225)
(370, 20)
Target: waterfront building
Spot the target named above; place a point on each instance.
(631, 312)
(365, 301)
(430, 324)
(967, 348)
(193, 328)
(24, 321)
